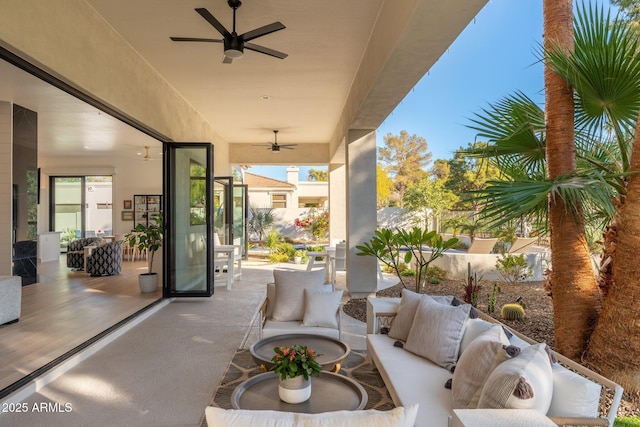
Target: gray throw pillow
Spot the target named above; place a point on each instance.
(407, 310)
(321, 308)
(290, 286)
(437, 331)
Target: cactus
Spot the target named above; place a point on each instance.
(491, 299)
(512, 312)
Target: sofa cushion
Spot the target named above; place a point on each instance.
(437, 331)
(412, 379)
(321, 308)
(573, 395)
(475, 365)
(397, 417)
(473, 329)
(407, 310)
(522, 382)
(290, 286)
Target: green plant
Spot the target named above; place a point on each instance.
(407, 272)
(512, 312)
(627, 422)
(147, 237)
(272, 239)
(492, 297)
(471, 287)
(261, 221)
(275, 258)
(513, 268)
(301, 253)
(387, 245)
(295, 361)
(433, 271)
(67, 235)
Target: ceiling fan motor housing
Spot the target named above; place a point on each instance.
(233, 47)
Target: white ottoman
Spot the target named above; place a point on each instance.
(10, 298)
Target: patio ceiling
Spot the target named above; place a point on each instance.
(350, 63)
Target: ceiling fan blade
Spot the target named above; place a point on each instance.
(226, 59)
(262, 31)
(195, 39)
(265, 50)
(214, 22)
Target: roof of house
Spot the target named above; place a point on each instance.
(252, 180)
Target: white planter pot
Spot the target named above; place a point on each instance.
(294, 390)
(148, 282)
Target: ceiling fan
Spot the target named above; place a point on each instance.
(235, 44)
(275, 147)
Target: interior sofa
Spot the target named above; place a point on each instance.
(75, 251)
(10, 299)
(432, 352)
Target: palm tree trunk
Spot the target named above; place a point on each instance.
(574, 286)
(614, 349)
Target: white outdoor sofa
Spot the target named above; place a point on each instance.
(411, 379)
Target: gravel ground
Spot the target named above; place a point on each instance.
(537, 323)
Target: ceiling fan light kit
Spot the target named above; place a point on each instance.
(234, 44)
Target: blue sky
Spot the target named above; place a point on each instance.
(492, 58)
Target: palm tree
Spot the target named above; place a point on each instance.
(604, 71)
(261, 221)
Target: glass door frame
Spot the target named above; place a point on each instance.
(169, 204)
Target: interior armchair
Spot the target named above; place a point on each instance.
(300, 302)
(105, 260)
(75, 251)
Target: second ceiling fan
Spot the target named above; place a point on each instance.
(275, 147)
(235, 44)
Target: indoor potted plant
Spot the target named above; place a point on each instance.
(149, 238)
(295, 365)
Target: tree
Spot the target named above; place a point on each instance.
(441, 169)
(318, 175)
(631, 11)
(469, 173)
(604, 72)
(406, 158)
(428, 199)
(384, 186)
(261, 221)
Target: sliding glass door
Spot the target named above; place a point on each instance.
(81, 206)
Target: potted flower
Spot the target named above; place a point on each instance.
(295, 365)
(299, 256)
(149, 238)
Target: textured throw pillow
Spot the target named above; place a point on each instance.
(321, 308)
(436, 332)
(397, 417)
(472, 330)
(407, 310)
(522, 382)
(475, 365)
(290, 286)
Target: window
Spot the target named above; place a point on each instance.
(278, 200)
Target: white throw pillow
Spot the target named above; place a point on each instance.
(436, 331)
(523, 382)
(290, 286)
(321, 308)
(473, 328)
(397, 417)
(407, 310)
(475, 365)
(573, 394)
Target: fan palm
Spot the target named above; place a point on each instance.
(604, 71)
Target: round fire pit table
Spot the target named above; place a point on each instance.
(329, 392)
(332, 352)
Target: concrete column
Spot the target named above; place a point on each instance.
(337, 203)
(361, 211)
(6, 190)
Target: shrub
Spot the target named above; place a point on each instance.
(436, 272)
(408, 273)
(276, 258)
(513, 268)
